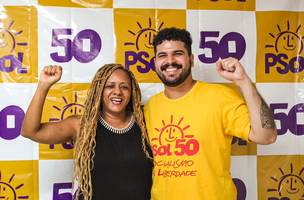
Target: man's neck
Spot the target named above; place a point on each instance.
(180, 90)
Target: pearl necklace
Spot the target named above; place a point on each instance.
(118, 131)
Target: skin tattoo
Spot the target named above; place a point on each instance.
(266, 116)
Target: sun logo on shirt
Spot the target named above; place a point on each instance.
(289, 185)
(172, 139)
(171, 131)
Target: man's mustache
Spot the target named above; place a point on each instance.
(165, 66)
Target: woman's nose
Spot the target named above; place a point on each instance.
(117, 90)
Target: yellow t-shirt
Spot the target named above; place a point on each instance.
(191, 142)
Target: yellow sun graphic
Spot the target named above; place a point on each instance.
(68, 109)
(8, 41)
(171, 131)
(144, 36)
(287, 41)
(8, 191)
(290, 184)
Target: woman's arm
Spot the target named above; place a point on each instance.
(51, 132)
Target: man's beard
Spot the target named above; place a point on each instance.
(177, 81)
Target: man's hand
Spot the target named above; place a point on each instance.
(263, 130)
(231, 69)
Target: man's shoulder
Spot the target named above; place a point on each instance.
(157, 95)
(215, 90)
(154, 98)
(215, 87)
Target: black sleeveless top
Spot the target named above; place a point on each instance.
(121, 169)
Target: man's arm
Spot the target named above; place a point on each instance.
(263, 129)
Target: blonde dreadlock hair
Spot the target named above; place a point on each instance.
(84, 149)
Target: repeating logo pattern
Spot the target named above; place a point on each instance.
(81, 46)
(18, 180)
(18, 45)
(135, 36)
(75, 48)
(289, 185)
(284, 179)
(63, 101)
(8, 43)
(143, 44)
(8, 191)
(222, 48)
(280, 55)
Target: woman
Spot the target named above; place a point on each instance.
(111, 152)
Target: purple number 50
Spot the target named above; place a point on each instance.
(75, 48)
(288, 121)
(57, 195)
(221, 49)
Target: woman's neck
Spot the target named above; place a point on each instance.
(116, 120)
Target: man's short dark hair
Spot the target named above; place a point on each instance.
(173, 34)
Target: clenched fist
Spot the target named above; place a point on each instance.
(50, 74)
(231, 69)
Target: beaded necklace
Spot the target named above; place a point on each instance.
(118, 131)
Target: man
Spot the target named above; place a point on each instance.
(191, 123)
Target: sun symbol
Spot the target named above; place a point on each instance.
(69, 109)
(8, 191)
(287, 41)
(289, 184)
(8, 36)
(144, 36)
(171, 132)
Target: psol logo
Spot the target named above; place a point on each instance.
(288, 47)
(9, 58)
(289, 185)
(68, 109)
(143, 43)
(10, 190)
(173, 140)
